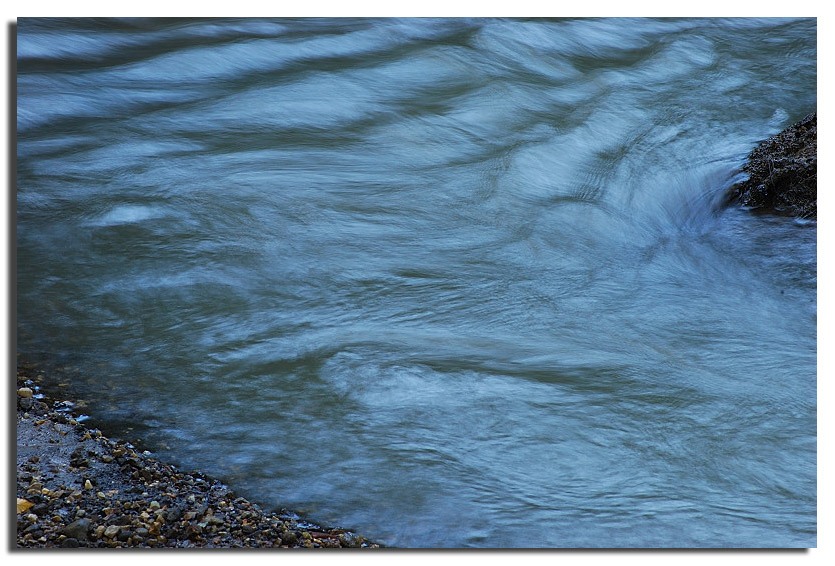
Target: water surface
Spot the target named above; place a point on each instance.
(456, 282)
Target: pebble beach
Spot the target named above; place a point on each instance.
(78, 488)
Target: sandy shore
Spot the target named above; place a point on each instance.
(78, 488)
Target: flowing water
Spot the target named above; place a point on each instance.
(443, 282)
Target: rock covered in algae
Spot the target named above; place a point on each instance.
(783, 172)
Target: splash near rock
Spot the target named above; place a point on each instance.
(783, 172)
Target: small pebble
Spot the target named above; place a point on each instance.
(77, 529)
(111, 531)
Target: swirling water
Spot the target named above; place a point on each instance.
(456, 282)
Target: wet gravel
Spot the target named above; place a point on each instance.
(78, 488)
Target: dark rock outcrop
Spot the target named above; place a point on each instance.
(783, 173)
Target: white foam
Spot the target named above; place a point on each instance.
(128, 214)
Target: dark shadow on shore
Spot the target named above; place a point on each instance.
(11, 298)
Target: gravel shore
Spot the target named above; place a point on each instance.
(78, 488)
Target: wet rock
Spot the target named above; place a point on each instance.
(40, 509)
(783, 173)
(174, 514)
(77, 529)
(70, 543)
(289, 538)
(350, 540)
(77, 459)
(193, 531)
(111, 531)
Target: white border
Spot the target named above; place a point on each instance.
(823, 554)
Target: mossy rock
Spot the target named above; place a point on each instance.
(783, 173)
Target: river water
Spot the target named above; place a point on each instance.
(446, 283)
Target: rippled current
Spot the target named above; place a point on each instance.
(446, 283)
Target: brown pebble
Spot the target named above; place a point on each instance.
(111, 531)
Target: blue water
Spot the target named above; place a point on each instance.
(446, 283)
